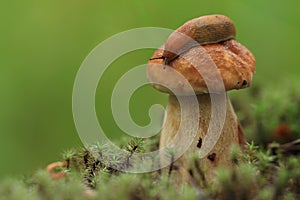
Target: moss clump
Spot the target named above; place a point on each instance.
(258, 174)
(268, 171)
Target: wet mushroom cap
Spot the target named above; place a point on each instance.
(230, 60)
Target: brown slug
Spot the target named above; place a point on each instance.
(199, 31)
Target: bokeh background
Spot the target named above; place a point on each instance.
(43, 43)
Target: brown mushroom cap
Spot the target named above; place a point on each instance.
(235, 64)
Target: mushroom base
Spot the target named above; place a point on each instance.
(218, 156)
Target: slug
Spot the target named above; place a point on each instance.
(199, 31)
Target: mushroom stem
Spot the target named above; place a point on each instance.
(220, 153)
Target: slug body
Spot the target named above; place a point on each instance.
(199, 31)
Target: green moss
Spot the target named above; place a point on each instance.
(263, 169)
(267, 176)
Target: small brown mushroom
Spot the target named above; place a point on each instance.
(51, 170)
(235, 65)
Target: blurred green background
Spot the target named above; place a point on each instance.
(43, 43)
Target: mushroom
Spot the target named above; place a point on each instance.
(235, 64)
(54, 174)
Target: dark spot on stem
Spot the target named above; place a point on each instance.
(171, 167)
(235, 161)
(211, 157)
(176, 167)
(191, 172)
(199, 143)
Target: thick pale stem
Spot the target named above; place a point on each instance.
(219, 155)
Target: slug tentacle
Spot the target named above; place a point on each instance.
(161, 57)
